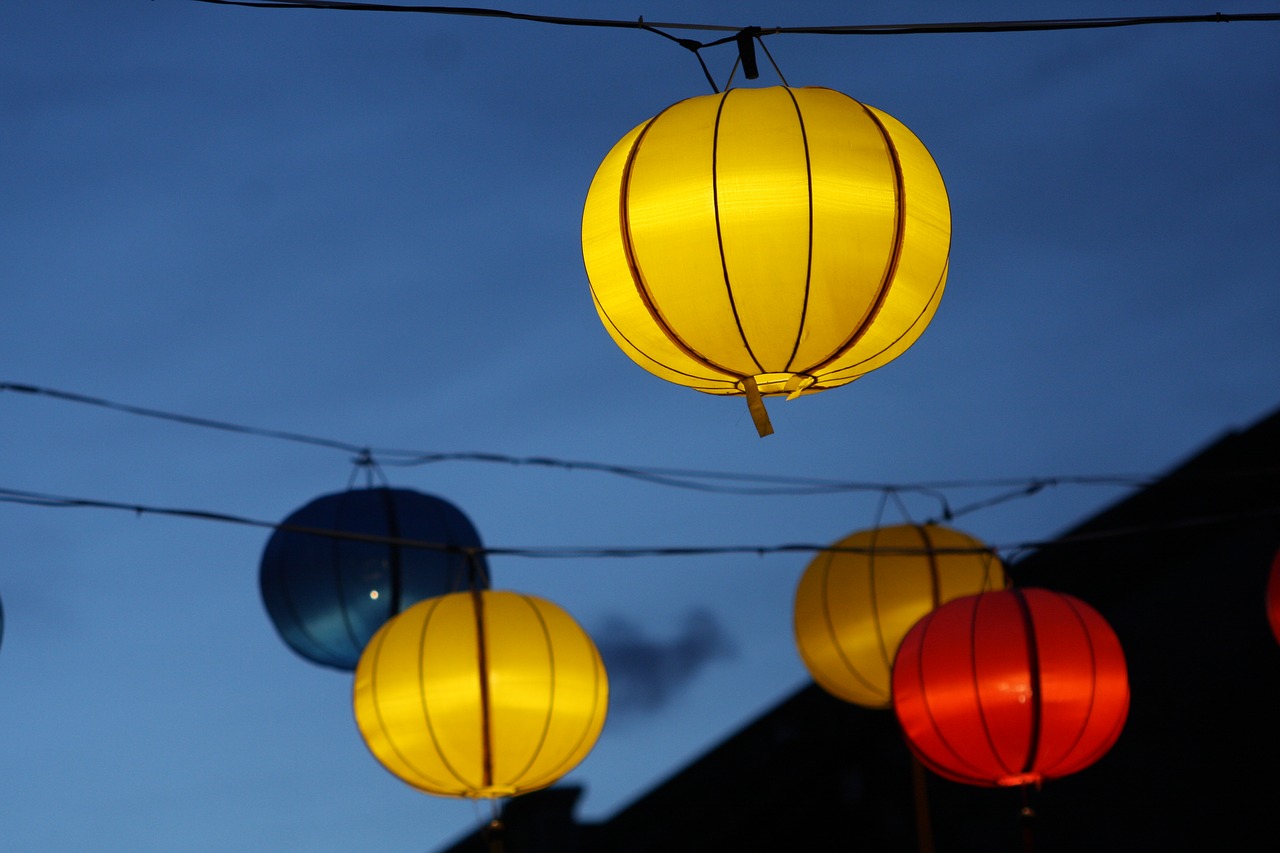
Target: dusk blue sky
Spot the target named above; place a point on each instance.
(364, 226)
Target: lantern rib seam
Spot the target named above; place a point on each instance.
(1080, 762)
(978, 705)
(1035, 742)
(556, 771)
(808, 270)
(394, 553)
(426, 711)
(675, 340)
(549, 645)
(336, 551)
(975, 774)
(482, 668)
(895, 252)
(874, 600)
(834, 635)
(637, 276)
(715, 204)
(888, 344)
(319, 648)
(428, 783)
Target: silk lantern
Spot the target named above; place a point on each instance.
(774, 241)
(1011, 687)
(856, 601)
(328, 594)
(480, 694)
(1273, 597)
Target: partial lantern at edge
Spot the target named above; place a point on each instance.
(327, 595)
(856, 602)
(772, 241)
(1273, 597)
(1011, 687)
(481, 694)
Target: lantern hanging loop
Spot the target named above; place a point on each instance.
(691, 45)
(364, 461)
(477, 569)
(746, 39)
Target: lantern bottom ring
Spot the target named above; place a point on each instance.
(777, 384)
(1014, 780)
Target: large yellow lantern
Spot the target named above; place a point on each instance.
(857, 601)
(480, 694)
(771, 241)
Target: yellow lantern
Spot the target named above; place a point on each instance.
(480, 694)
(771, 241)
(854, 606)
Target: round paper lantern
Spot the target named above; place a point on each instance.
(766, 241)
(1273, 597)
(854, 606)
(1010, 687)
(480, 694)
(327, 595)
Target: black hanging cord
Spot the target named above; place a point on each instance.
(688, 44)
(776, 69)
(17, 496)
(1027, 820)
(183, 419)
(855, 29)
(683, 478)
(494, 835)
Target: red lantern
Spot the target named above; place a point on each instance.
(1010, 687)
(1273, 597)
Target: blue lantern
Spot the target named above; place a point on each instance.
(328, 592)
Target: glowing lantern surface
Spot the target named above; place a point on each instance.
(766, 241)
(328, 595)
(1273, 597)
(484, 694)
(853, 607)
(1011, 687)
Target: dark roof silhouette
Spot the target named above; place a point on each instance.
(1179, 569)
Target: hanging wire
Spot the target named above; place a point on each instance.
(745, 36)
(954, 27)
(18, 496)
(776, 69)
(719, 482)
(689, 44)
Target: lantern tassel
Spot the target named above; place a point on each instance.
(493, 834)
(755, 403)
(1027, 817)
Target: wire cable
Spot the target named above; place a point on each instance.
(39, 499)
(719, 482)
(953, 27)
